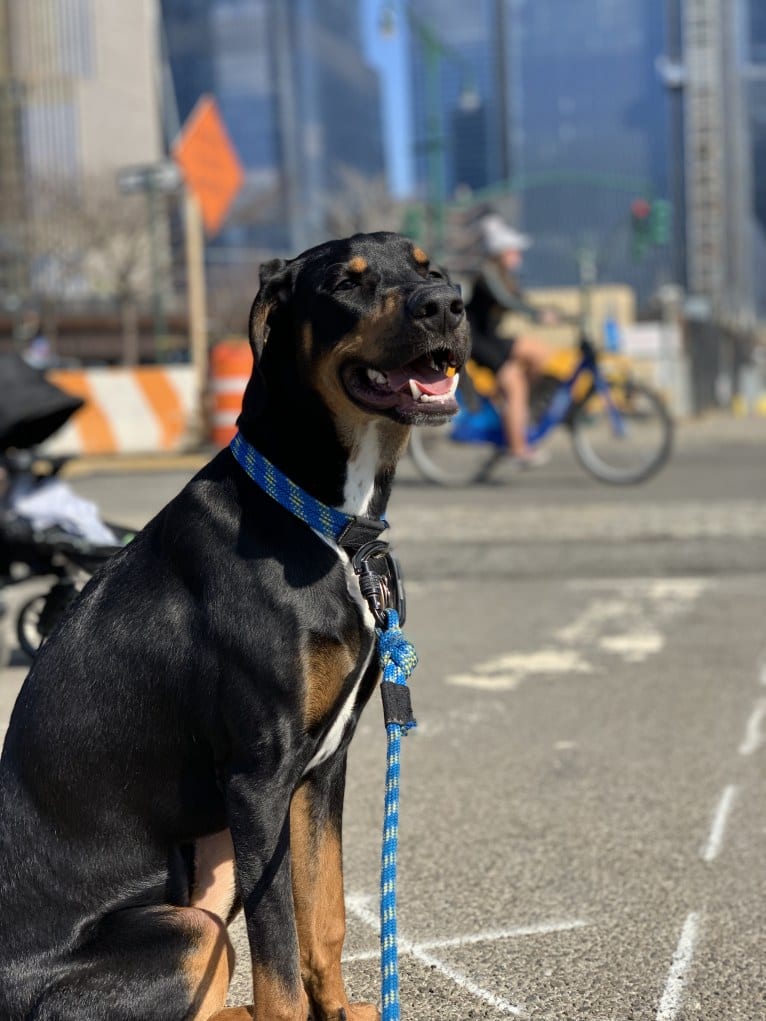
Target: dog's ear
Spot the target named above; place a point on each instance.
(276, 281)
(276, 284)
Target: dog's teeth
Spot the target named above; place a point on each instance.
(453, 385)
(415, 390)
(376, 377)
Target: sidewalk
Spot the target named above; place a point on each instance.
(107, 464)
(721, 426)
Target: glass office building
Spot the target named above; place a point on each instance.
(592, 131)
(572, 111)
(298, 100)
(458, 96)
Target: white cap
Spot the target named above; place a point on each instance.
(497, 236)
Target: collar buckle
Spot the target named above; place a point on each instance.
(361, 531)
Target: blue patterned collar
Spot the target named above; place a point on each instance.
(350, 531)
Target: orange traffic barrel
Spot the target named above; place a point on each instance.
(231, 362)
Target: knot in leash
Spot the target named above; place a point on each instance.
(397, 655)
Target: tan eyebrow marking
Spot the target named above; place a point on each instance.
(357, 264)
(420, 256)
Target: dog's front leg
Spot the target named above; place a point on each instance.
(317, 874)
(259, 819)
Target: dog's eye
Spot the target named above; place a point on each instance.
(347, 284)
(435, 274)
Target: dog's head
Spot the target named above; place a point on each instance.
(367, 324)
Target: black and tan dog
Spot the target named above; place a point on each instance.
(179, 747)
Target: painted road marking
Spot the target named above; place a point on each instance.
(634, 647)
(492, 936)
(718, 826)
(359, 906)
(623, 618)
(753, 738)
(674, 988)
(600, 612)
(627, 622)
(506, 672)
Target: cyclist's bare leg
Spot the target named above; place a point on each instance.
(533, 354)
(514, 388)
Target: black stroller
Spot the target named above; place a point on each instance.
(31, 410)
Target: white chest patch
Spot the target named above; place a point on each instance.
(357, 493)
(334, 736)
(360, 472)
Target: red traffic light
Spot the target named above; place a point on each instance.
(641, 209)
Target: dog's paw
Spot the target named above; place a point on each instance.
(233, 1014)
(354, 1012)
(362, 1012)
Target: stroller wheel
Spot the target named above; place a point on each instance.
(39, 615)
(28, 625)
(4, 651)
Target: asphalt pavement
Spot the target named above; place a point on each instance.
(583, 821)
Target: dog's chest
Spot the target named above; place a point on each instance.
(346, 712)
(358, 491)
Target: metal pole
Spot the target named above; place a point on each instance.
(158, 305)
(503, 88)
(196, 303)
(586, 261)
(434, 147)
(14, 269)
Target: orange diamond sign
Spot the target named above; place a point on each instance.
(209, 163)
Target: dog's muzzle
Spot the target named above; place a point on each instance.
(436, 307)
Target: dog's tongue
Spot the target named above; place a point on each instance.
(427, 379)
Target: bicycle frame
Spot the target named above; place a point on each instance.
(484, 425)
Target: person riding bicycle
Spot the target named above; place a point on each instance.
(512, 360)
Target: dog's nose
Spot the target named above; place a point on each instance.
(437, 306)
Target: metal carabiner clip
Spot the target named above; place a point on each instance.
(382, 589)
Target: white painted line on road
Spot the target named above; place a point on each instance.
(543, 929)
(674, 988)
(627, 622)
(753, 738)
(718, 827)
(635, 646)
(357, 906)
(461, 980)
(506, 672)
(493, 935)
(592, 619)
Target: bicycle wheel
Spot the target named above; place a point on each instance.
(448, 462)
(627, 442)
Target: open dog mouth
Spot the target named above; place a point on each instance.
(423, 388)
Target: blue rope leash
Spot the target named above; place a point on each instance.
(397, 661)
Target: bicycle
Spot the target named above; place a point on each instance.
(621, 430)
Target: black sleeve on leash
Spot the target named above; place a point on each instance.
(397, 707)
